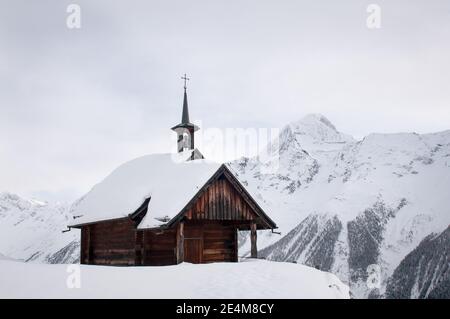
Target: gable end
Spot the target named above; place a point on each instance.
(224, 198)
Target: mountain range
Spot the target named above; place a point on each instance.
(374, 211)
(350, 206)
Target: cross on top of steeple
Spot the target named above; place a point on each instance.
(185, 78)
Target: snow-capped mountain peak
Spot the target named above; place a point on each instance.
(314, 124)
(343, 204)
(318, 128)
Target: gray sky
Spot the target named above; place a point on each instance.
(76, 103)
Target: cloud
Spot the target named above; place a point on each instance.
(74, 104)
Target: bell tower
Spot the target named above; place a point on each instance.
(185, 130)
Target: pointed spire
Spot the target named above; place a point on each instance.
(185, 123)
(185, 116)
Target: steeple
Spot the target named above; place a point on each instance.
(185, 130)
(185, 116)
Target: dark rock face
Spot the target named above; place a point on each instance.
(365, 233)
(294, 243)
(312, 238)
(424, 272)
(321, 251)
(441, 291)
(313, 241)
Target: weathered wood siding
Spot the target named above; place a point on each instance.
(220, 201)
(108, 243)
(218, 241)
(159, 248)
(118, 243)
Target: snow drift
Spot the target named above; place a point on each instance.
(248, 279)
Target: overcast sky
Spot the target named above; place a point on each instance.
(76, 103)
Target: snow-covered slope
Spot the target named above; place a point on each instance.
(31, 231)
(343, 205)
(248, 279)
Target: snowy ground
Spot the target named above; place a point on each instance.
(247, 279)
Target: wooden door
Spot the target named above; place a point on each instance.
(193, 250)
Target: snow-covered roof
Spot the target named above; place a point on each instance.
(171, 180)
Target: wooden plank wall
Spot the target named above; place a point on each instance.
(118, 243)
(219, 240)
(108, 243)
(219, 243)
(159, 248)
(220, 202)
